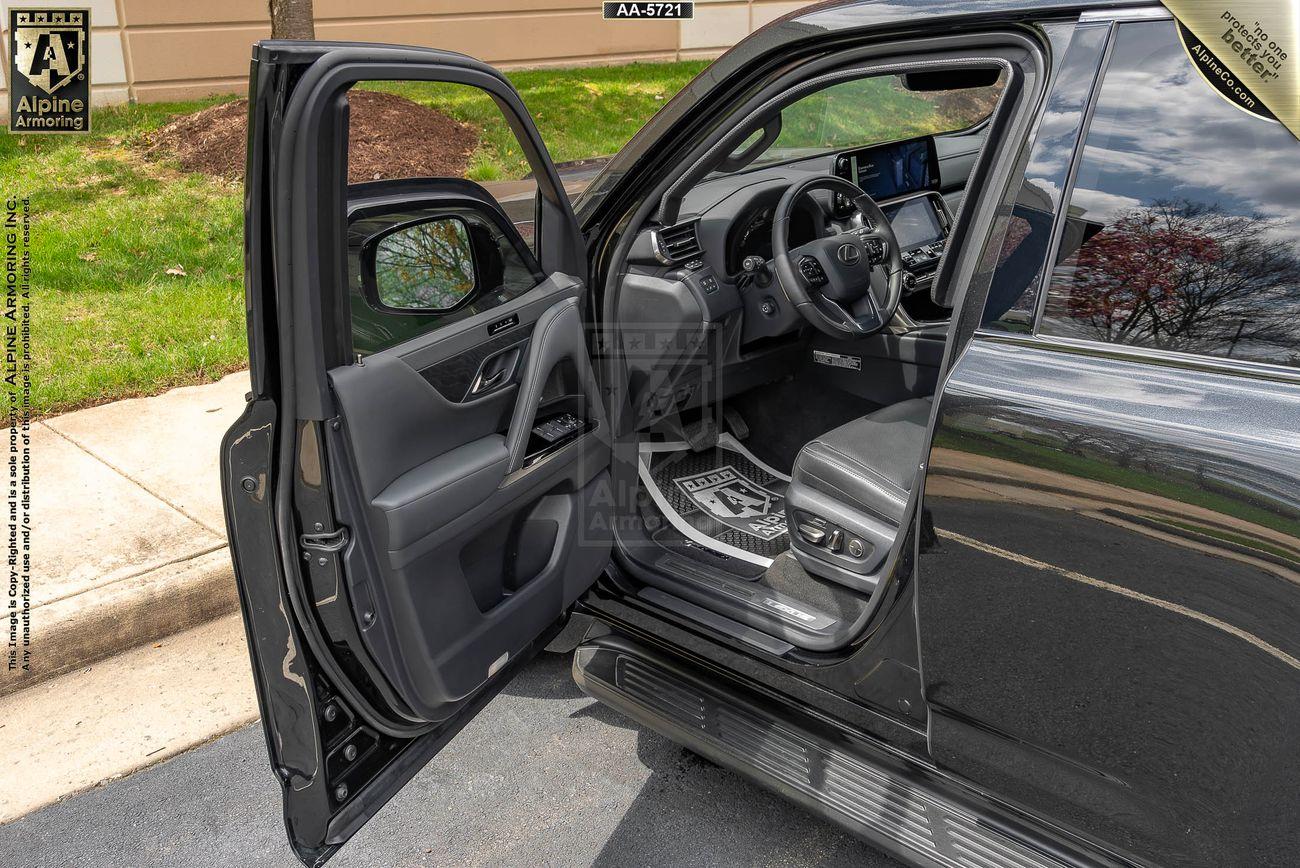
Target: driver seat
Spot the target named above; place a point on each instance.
(849, 491)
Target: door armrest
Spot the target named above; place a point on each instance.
(461, 479)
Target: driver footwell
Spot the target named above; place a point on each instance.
(723, 499)
(717, 517)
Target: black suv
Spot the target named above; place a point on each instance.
(906, 419)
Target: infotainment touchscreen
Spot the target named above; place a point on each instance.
(893, 170)
(915, 223)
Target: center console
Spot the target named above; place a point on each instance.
(903, 177)
(921, 224)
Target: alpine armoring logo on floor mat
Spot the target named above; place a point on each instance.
(737, 501)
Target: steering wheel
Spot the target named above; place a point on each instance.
(828, 280)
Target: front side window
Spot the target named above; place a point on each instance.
(1183, 226)
(433, 238)
(428, 264)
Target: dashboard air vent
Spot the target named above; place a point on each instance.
(678, 243)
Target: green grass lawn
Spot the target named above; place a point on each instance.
(586, 112)
(109, 322)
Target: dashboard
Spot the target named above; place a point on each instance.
(703, 288)
(751, 234)
(906, 178)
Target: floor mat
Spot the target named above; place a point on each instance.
(723, 498)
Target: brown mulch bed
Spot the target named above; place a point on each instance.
(389, 137)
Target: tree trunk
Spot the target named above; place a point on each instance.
(292, 19)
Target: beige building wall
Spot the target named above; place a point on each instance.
(159, 50)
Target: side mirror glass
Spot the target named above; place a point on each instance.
(426, 266)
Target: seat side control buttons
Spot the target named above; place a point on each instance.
(855, 548)
(836, 539)
(812, 534)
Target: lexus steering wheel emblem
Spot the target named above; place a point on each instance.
(849, 254)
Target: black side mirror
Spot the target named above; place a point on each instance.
(427, 265)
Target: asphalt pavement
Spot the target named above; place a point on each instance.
(544, 776)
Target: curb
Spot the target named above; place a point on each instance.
(102, 622)
(100, 723)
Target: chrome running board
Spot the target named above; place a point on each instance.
(869, 791)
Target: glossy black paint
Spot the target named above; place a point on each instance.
(1108, 614)
(1108, 609)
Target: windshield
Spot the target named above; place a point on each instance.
(868, 111)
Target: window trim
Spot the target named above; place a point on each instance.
(1067, 193)
(1115, 16)
(1149, 355)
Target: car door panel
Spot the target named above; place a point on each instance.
(469, 548)
(1117, 551)
(403, 539)
(1106, 604)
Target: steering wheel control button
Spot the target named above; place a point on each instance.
(812, 272)
(875, 250)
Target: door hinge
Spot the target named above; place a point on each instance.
(330, 541)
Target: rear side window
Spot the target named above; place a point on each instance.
(1183, 224)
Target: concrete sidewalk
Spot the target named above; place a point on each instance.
(129, 541)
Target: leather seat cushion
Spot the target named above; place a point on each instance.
(870, 463)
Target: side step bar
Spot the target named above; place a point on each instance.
(872, 793)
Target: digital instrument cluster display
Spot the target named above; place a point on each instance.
(896, 169)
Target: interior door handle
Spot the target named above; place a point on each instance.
(495, 371)
(486, 382)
